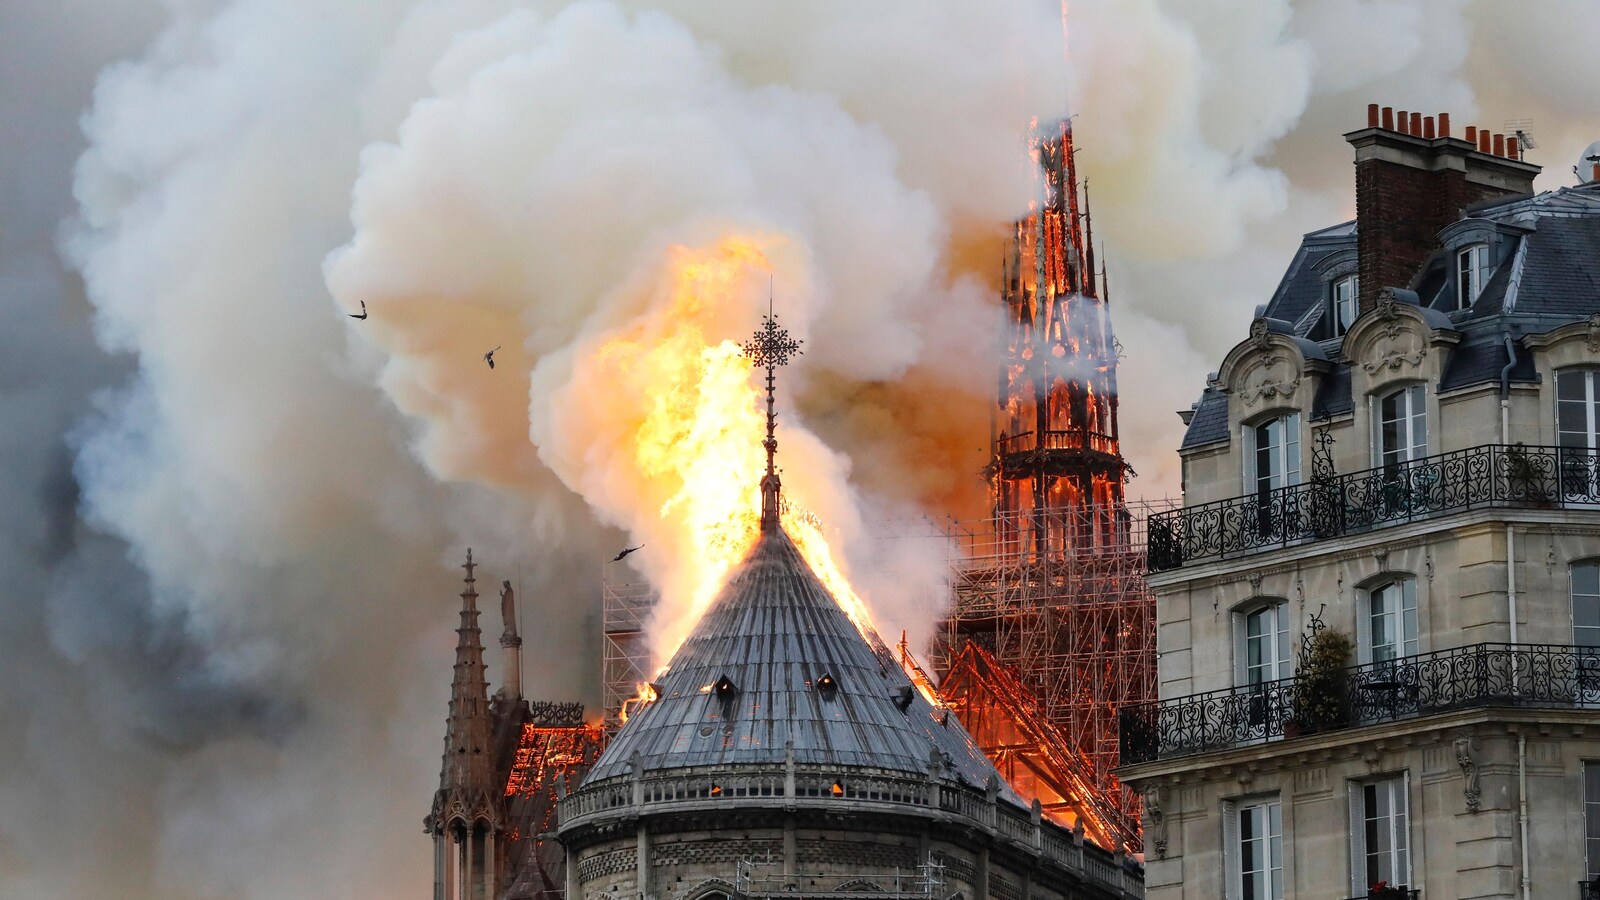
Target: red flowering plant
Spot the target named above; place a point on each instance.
(1384, 890)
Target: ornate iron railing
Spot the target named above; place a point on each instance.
(1067, 439)
(1490, 475)
(1527, 675)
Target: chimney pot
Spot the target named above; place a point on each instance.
(1511, 147)
(1499, 144)
(1416, 124)
(1372, 115)
(1402, 120)
(1388, 118)
(1484, 145)
(1444, 124)
(1472, 134)
(1427, 127)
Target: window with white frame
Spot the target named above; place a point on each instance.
(1472, 270)
(1272, 454)
(1252, 844)
(1263, 644)
(1389, 620)
(1578, 408)
(1586, 604)
(1380, 837)
(1591, 819)
(1402, 425)
(1342, 303)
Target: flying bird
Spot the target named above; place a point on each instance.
(625, 552)
(489, 357)
(363, 312)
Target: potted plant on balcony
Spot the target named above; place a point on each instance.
(1524, 478)
(1383, 890)
(1321, 693)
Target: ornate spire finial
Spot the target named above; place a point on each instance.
(469, 566)
(770, 347)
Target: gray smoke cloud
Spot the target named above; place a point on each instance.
(231, 516)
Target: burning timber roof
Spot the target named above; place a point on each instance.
(777, 660)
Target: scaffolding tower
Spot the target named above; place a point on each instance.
(625, 653)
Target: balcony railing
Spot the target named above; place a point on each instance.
(1392, 894)
(1490, 475)
(1478, 675)
(1590, 889)
(1071, 439)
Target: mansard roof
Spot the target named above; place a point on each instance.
(777, 661)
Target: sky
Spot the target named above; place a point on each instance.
(231, 516)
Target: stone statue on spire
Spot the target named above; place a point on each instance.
(771, 347)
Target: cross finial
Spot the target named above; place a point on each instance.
(770, 347)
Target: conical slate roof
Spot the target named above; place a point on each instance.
(777, 660)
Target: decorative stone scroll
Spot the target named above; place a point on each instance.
(1158, 819)
(1469, 773)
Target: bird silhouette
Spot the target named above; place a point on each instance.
(625, 552)
(489, 357)
(363, 312)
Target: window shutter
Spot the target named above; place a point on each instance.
(1240, 663)
(1291, 449)
(1363, 626)
(1281, 614)
(1358, 841)
(1408, 617)
(1247, 441)
(1230, 850)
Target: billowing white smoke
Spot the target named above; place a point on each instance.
(224, 655)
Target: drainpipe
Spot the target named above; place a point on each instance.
(1511, 610)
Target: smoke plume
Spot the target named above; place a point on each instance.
(232, 515)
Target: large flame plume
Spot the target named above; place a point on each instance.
(675, 455)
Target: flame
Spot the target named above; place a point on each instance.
(685, 403)
(644, 694)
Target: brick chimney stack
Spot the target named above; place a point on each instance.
(1412, 180)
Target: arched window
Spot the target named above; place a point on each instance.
(1388, 620)
(1472, 271)
(1261, 641)
(1401, 422)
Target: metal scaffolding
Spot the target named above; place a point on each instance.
(625, 654)
(1074, 627)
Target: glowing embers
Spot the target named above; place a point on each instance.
(827, 687)
(837, 790)
(725, 689)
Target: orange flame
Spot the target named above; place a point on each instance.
(689, 410)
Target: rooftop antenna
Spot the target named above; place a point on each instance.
(771, 347)
(1524, 132)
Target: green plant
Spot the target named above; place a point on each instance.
(1322, 680)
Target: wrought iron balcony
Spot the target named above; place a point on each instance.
(1490, 475)
(1477, 675)
(1590, 889)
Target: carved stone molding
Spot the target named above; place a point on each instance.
(1269, 380)
(1469, 773)
(1592, 335)
(1158, 819)
(1396, 347)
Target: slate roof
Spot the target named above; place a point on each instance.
(1210, 421)
(773, 633)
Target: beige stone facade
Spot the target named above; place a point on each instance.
(1455, 764)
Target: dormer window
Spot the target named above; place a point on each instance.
(1342, 304)
(1472, 270)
